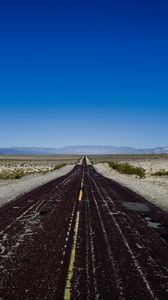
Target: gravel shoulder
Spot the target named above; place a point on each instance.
(10, 189)
(154, 189)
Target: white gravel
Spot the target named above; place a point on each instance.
(154, 189)
(10, 189)
(88, 161)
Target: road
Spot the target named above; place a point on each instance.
(83, 236)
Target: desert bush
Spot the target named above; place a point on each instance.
(126, 168)
(160, 173)
(59, 166)
(56, 167)
(17, 174)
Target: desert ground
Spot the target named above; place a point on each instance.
(34, 164)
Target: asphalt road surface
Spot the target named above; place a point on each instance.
(83, 236)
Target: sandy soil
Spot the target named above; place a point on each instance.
(150, 165)
(88, 161)
(32, 165)
(153, 188)
(10, 189)
(81, 161)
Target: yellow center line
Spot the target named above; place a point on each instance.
(68, 287)
(80, 195)
(67, 291)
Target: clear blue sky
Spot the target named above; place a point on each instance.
(84, 72)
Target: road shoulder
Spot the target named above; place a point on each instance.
(10, 189)
(154, 190)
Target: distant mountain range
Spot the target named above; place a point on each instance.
(81, 150)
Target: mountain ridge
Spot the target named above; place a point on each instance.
(81, 150)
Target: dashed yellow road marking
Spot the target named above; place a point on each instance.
(68, 287)
(67, 291)
(80, 195)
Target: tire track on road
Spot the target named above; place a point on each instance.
(136, 263)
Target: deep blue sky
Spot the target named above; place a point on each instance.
(84, 72)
